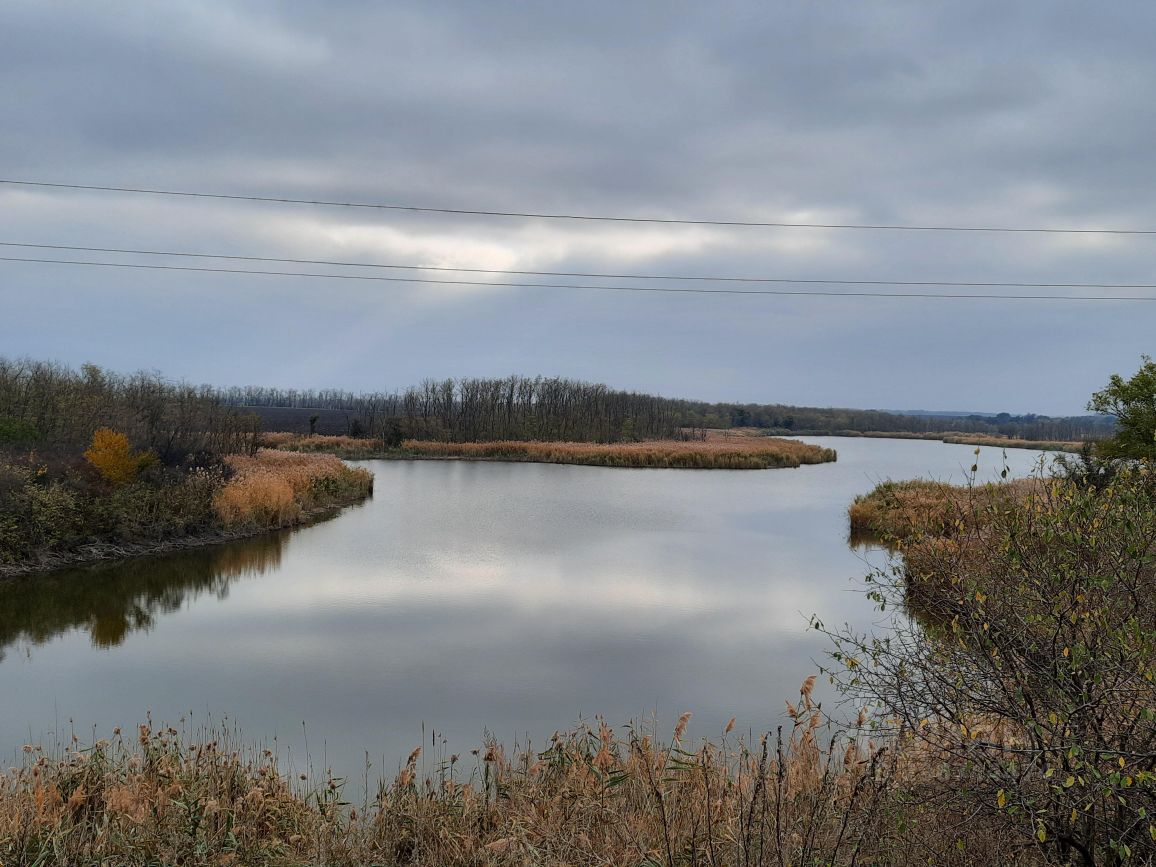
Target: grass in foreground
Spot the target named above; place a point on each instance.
(589, 797)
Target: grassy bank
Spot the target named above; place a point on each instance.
(53, 515)
(716, 452)
(910, 510)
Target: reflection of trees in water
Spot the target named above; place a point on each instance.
(111, 600)
(918, 603)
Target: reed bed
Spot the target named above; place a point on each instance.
(277, 489)
(967, 439)
(332, 444)
(740, 453)
(911, 510)
(1012, 443)
(595, 795)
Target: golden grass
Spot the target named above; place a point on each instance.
(740, 453)
(967, 439)
(903, 511)
(322, 443)
(591, 796)
(276, 489)
(276, 439)
(1012, 443)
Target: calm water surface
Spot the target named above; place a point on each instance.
(513, 598)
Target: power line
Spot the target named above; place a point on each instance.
(667, 289)
(582, 217)
(586, 274)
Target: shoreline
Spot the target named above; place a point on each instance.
(958, 439)
(105, 552)
(740, 453)
(472, 459)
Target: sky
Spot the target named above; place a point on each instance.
(978, 113)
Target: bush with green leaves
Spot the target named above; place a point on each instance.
(1029, 672)
(17, 431)
(1133, 403)
(36, 513)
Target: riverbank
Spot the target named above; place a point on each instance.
(955, 438)
(716, 452)
(54, 524)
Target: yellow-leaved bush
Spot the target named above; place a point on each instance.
(113, 457)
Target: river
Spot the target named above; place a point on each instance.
(467, 598)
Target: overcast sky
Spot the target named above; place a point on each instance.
(1025, 114)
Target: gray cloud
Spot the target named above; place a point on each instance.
(979, 113)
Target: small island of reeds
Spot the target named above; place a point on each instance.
(714, 452)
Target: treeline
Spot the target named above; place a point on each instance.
(780, 418)
(59, 409)
(521, 408)
(56, 410)
(471, 409)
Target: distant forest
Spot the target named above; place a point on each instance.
(518, 407)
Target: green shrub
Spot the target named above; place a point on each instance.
(35, 515)
(14, 430)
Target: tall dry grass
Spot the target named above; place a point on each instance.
(591, 796)
(333, 444)
(920, 508)
(276, 489)
(1013, 443)
(739, 453)
(967, 439)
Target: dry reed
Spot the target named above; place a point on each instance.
(276, 489)
(1013, 443)
(591, 796)
(740, 453)
(966, 439)
(905, 511)
(323, 443)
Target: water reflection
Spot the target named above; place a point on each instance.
(859, 539)
(111, 600)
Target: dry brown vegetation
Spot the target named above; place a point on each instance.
(1012, 443)
(333, 444)
(906, 511)
(591, 796)
(740, 453)
(276, 488)
(967, 439)
(738, 449)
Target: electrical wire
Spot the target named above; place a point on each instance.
(658, 289)
(581, 217)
